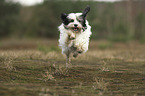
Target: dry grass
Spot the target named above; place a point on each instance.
(48, 76)
(100, 84)
(114, 69)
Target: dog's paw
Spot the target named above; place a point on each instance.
(68, 65)
(80, 51)
(75, 55)
(72, 38)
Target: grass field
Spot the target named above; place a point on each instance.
(37, 68)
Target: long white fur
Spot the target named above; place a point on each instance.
(81, 41)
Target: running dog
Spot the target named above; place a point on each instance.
(75, 33)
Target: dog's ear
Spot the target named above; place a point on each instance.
(87, 9)
(63, 16)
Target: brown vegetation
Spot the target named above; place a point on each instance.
(117, 69)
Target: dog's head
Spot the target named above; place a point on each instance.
(75, 21)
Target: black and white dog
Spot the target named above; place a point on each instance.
(74, 34)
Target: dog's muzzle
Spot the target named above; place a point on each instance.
(76, 29)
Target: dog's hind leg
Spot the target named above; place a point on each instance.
(68, 59)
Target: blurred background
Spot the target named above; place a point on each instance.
(112, 20)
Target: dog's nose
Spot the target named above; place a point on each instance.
(75, 25)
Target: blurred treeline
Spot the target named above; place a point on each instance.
(119, 21)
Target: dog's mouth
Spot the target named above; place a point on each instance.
(76, 29)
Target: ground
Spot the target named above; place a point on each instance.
(37, 68)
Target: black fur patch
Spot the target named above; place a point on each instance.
(65, 19)
(83, 17)
(82, 20)
(85, 12)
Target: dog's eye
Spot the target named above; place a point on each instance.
(79, 20)
(71, 20)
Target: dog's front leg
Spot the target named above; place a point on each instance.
(72, 35)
